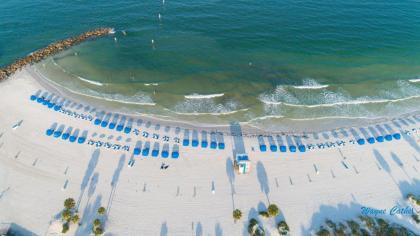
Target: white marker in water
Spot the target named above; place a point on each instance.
(124, 33)
(163, 2)
(115, 39)
(160, 17)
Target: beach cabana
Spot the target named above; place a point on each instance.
(204, 144)
(213, 145)
(273, 148)
(283, 148)
(185, 142)
(112, 125)
(361, 141)
(221, 146)
(380, 138)
(397, 136)
(371, 140)
(136, 151)
(72, 138)
(33, 97)
(40, 99)
(388, 137)
(292, 148)
(120, 125)
(263, 147)
(155, 152)
(165, 153)
(302, 148)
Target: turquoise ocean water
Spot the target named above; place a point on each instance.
(216, 61)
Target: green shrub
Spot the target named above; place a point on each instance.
(283, 228)
(66, 215)
(69, 203)
(237, 214)
(101, 210)
(264, 214)
(323, 232)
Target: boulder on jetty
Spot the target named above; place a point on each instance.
(50, 50)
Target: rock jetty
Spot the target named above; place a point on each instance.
(50, 50)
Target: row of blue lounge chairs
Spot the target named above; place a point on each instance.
(145, 151)
(379, 139)
(216, 140)
(119, 124)
(57, 131)
(46, 101)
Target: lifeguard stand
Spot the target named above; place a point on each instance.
(242, 163)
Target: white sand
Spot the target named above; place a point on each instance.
(145, 200)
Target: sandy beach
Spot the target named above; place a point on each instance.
(197, 193)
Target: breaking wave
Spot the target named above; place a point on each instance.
(200, 96)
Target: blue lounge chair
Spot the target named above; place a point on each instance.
(97, 121)
(380, 139)
(136, 151)
(213, 145)
(361, 141)
(72, 138)
(263, 148)
(127, 130)
(397, 136)
(104, 123)
(302, 148)
(155, 153)
(65, 136)
(145, 151)
(221, 146)
(45, 102)
(165, 154)
(120, 127)
(49, 132)
(57, 107)
(57, 133)
(50, 105)
(371, 140)
(185, 142)
(194, 143)
(175, 154)
(33, 97)
(283, 148)
(388, 137)
(292, 148)
(204, 144)
(40, 100)
(81, 140)
(273, 148)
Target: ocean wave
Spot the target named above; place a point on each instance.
(151, 84)
(137, 99)
(310, 84)
(206, 107)
(352, 102)
(414, 80)
(90, 81)
(201, 96)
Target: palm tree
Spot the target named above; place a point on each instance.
(283, 228)
(96, 222)
(75, 219)
(237, 214)
(66, 215)
(98, 231)
(101, 210)
(273, 210)
(65, 228)
(69, 203)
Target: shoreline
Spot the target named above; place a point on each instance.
(289, 126)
